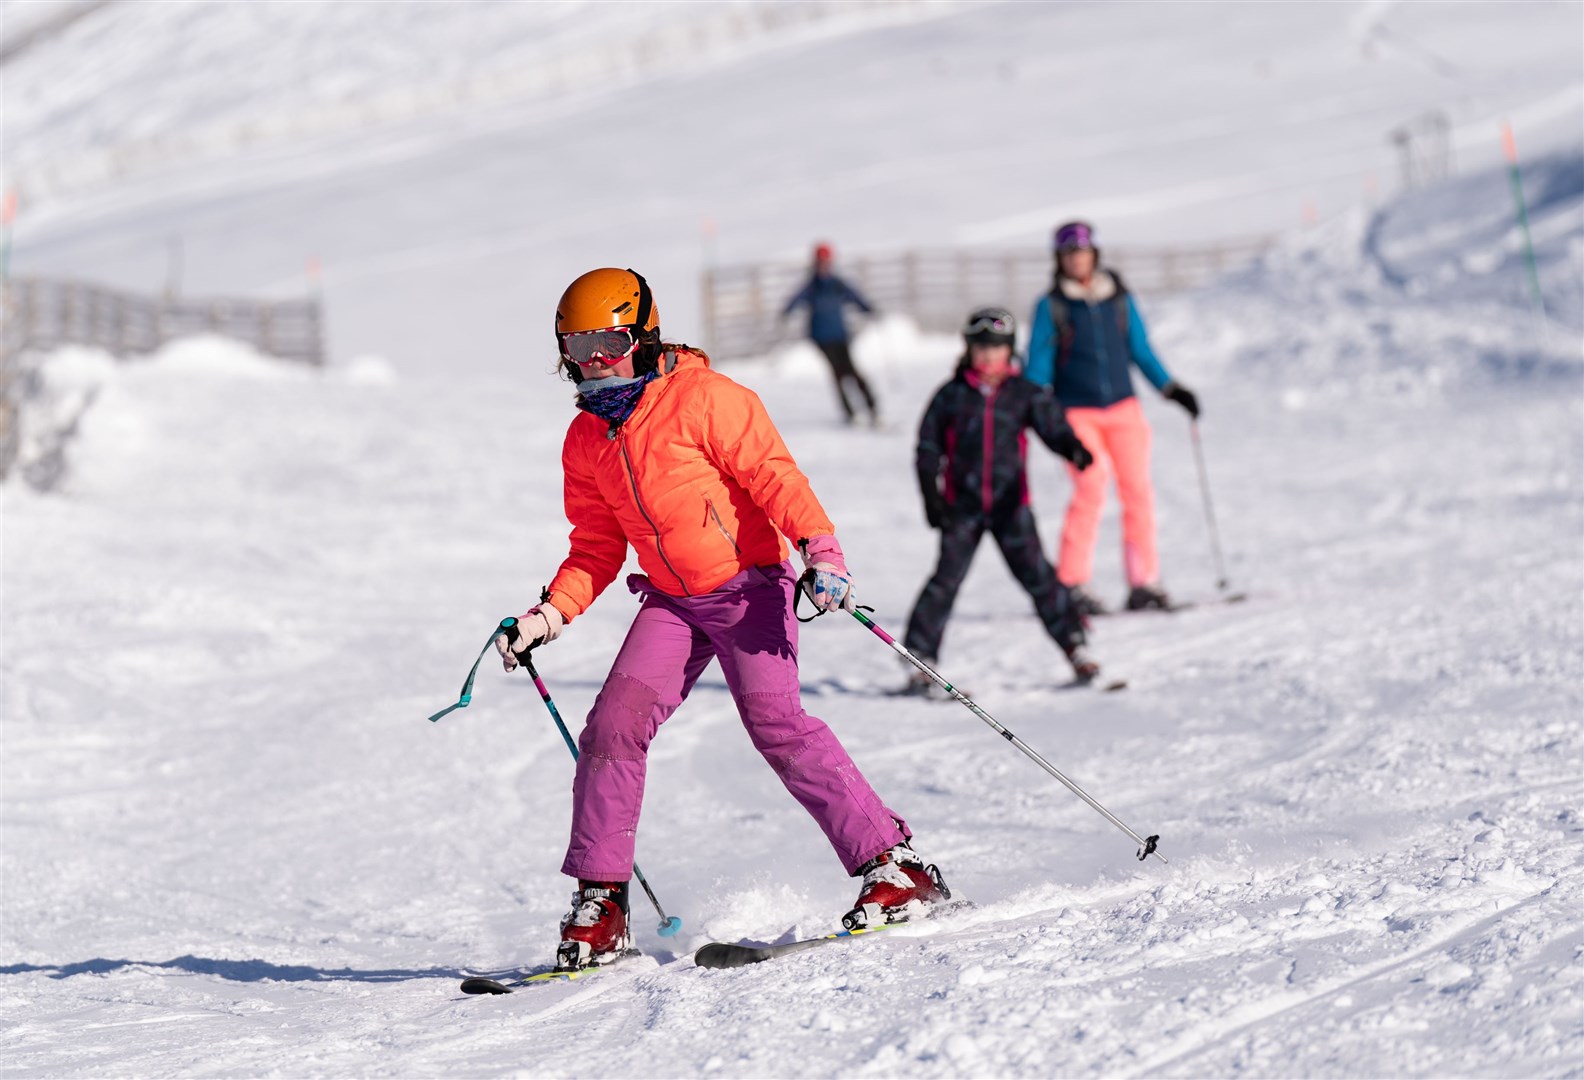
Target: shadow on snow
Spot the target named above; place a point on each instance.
(234, 970)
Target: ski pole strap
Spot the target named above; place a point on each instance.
(802, 593)
(466, 697)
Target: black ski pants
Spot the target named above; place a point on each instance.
(842, 369)
(1017, 536)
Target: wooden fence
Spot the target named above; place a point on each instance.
(39, 315)
(741, 305)
(42, 314)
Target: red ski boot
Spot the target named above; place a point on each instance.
(594, 932)
(896, 886)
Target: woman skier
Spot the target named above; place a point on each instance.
(971, 449)
(1086, 337)
(684, 465)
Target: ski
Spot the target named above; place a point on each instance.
(719, 954)
(480, 985)
(1105, 686)
(1184, 605)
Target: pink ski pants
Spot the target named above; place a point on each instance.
(1119, 438)
(747, 624)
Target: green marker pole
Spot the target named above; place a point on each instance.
(1510, 149)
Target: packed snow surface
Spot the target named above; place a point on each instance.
(234, 845)
(231, 844)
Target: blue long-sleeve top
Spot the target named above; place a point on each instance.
(825, 296)
(1089, 363)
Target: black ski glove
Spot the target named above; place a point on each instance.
(935, 512)
(1184, 397)
(1076, 452)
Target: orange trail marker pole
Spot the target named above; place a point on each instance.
(8, 209)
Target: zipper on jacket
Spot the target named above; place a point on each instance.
(721, 525)
(989, 445)
(621, 444)
(1102, 354)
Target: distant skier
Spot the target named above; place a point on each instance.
(971, 450)
(825, 294)
(684, 465)
(1086, 337)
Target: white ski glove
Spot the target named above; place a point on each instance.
(536, 626)
(831, 586)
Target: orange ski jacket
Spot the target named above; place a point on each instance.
(697, 480)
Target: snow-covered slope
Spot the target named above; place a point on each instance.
(234, 846)
(230, 843)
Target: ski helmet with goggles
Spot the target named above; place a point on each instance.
(608, 314)
(1074, 236)
(990, 326)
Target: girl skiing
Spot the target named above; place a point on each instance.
(684, 465)
(1086, 338)
(971, 449)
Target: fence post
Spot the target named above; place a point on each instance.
(10, 349)
(910, 298)
(266, 329)
(756, 305)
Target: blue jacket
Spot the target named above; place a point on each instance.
(1089, 362)
(825, 297)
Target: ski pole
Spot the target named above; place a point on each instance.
(1204, 492)
(1146, 843)
(669, 925)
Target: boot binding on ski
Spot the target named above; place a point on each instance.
(1148, 598)
(595, 931)
(896, 886)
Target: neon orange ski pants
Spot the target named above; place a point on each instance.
(1119, 438)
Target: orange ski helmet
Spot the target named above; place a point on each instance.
(605, 299)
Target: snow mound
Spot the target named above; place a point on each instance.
(1411, 300)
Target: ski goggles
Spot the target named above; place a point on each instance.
(599, 346)
(988, 323)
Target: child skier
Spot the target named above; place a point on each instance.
(684, 465)
(971, 449)
(1086, 338)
